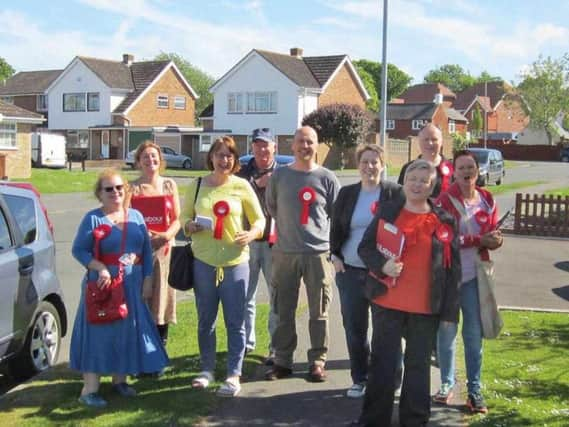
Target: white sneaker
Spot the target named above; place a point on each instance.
(356, 391)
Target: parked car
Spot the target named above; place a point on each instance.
(33, 318)
(564, 154)
(173, 159)
(491, 164)
(282, 159)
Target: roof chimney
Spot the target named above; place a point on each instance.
(127, 59)
(296, 52)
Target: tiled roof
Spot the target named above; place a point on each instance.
(143, 74)
(455, 115)
(115, 74)
(423, 111)
(425, 92)
(495, 91)
(309, 71)
(29, 82)
(12, 111)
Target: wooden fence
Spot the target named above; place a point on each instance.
(541, 215)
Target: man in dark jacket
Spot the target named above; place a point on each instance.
(257, 172)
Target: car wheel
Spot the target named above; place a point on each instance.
(484, 180)
(565, 159)
(500, 180)
(42, 344)
(187, 164)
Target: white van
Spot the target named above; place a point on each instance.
(48, 150)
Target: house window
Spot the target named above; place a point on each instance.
(7, 99)
(179, 102)
(41, 103)
(451, 126)
(390, 124)
(234, 102)
(205, 143)
(417, 124)
(162, 101)
(93, 101)
(8, 134)
(261, 102)
(77, 139)
(73, 102)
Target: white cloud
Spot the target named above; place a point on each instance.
(335, 22)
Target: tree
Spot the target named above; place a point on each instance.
(459, 142)
(456, 78)
(6, 70)
(370, 73)
(545, 90)
(198, 79)
(477, 122)
(339, 125)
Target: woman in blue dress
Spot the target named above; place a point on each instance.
(131, 345)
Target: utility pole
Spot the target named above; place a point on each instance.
(383, 114)
(486, 115)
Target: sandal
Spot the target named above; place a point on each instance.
(202, 380)
(229, 389)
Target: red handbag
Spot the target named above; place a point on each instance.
(108, 304)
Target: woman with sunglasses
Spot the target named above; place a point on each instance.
(215, 221)
(156, 189)
(111, 239)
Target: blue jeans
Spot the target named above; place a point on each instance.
(471, 336)
(259, 260)
(355, 314)
(231, 292)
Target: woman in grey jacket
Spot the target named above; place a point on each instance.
(353, 211)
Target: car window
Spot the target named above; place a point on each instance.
(24, 213)
(5, 240)
(482, 156)
(168, 150)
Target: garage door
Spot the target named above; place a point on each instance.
(169, 140)
(135, 138)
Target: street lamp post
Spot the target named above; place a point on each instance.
(383, 114)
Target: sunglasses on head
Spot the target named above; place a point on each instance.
(110, 189)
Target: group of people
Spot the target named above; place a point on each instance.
(294, 223)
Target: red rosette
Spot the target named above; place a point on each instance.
(445, 170)
(482, 219)
(445, 234)
(220, 210)
(307, 196)
(99, 233)
(374, 207)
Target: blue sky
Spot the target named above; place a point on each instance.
(502, 37)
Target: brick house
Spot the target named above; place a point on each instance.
(427, 92)
(275, 91)
(16, 127)
(106, 108)
(26, 89)
(503, 109)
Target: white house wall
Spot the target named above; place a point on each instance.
(307, 103)
(257, 75)
(78, 78)
(116, 99)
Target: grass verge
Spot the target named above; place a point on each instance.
(506, 188)
(559, 192)
(168, 401)
(525, 372)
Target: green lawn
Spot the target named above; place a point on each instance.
(168, 401)
(506, 188)
(559, 192)
(525, 372)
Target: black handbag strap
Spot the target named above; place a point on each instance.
(196, 195)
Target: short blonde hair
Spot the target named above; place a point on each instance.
(107, 174)
(420, 165)
(362, 148)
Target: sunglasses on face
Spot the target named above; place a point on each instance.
(110, 189)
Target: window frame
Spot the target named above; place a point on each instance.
(235, 107)
(78, 96)
(205, 146)
(39, 105)
(160, 98)
(257, 97)
(389, 124)
(177, 98)
(7, 99)
(451, 126)
(91, 95)
(10, 135)
(417, 124)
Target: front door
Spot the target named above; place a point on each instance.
(105, 144)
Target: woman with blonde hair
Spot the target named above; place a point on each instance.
(151, 188)
(215, 221)
(112, 242)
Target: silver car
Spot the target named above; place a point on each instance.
(32, 312)
(173, 159)
(491, 165)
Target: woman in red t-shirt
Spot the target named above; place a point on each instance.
(425, 291)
